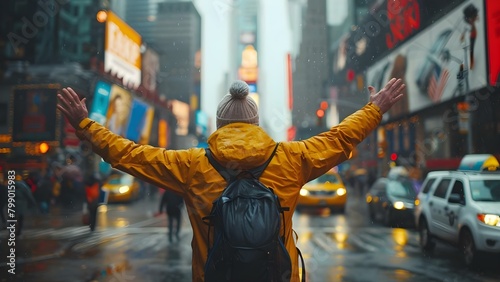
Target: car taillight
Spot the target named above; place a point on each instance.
(489, 219)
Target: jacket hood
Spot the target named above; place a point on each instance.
(242, 144)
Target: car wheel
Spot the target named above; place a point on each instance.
(468, 248)
(426, 241)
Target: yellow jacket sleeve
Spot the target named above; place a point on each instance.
(328, 149)
(164, 168)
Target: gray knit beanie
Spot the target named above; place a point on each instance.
(237, 106)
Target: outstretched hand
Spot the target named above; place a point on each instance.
(387, 96)
(72, 107)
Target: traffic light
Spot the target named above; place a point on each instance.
(320, 114)
(43, 147)
(323, 105)
(394, 160)
(394, 157)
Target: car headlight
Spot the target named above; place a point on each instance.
(399, 205)
(489, 219)
(124, 189)
(341, 191)
(304, 192)
(369, 198)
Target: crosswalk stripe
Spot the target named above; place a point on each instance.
(355, 240)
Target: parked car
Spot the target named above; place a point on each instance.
(462, 208)
(392, 201)
(326, 191)
(122, 187)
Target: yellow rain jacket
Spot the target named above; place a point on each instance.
(189, 173)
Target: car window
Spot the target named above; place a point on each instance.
(428, 185)
(485, 190)
(114, 180)
(401, 189)
(124, 179)
(442, 188)
(458, 188)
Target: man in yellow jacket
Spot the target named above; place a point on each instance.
(238, 143)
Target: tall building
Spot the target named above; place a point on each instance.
(244, 32)
(142, 15)
(177, 37)
(310, 74)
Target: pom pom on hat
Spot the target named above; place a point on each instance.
(237, 106)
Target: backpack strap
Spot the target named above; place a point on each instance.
(303, 265)
(256, 172)
(230, 174)
(227, 174)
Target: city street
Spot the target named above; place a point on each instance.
(130, 244)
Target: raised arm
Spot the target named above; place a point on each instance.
(164, 168)
(330, 148)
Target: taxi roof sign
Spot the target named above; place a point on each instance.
(479, 162)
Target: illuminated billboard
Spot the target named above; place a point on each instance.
(446, 60)
(117, 116)
(100, 102)
(139, 125)
(35, 116)
(493, 29)
(122, 51)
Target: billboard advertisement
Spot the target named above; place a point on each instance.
(117, 115)
(122, 51)
(35, 115)
(388, 25)
(163, 140)
(140, 119)
(100, 102)
(446, 60)
(146, 128)
(493, 31)
(150, 69)
(181, 112)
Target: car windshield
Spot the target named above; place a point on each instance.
(402, 189)
(120, 179)
(485, 190)
(325, 178)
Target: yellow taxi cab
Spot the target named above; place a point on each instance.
(326, 191)
(121, 187)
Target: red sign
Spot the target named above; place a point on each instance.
(34, 123)
(70, 139)
(404, 20)
(34, 113)
(493, 35)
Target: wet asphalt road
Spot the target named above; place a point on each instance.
(130, 244)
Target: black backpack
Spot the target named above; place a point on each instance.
(247, 245)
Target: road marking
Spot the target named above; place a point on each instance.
(356, 241)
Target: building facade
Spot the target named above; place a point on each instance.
(443, 53)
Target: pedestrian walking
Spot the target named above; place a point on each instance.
(43, 193)
(25, 202)
(172, 203)
(238, 144)
(92, 192)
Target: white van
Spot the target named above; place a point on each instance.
(462, 208)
